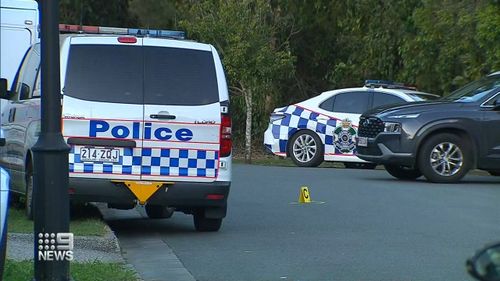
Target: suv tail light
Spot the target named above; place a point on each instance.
(226, 142)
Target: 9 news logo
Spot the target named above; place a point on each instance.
(55, 246)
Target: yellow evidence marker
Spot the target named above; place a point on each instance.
(304, 196)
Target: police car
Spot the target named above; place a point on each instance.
(146, 117)
(324, 128)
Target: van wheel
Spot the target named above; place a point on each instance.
(204, 224)
(402, 172)
(28, 202)
(158, 211)
(494, 173)
(445, 158)
(354, 165)
(306, 149)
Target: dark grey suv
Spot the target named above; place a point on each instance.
(441, 139)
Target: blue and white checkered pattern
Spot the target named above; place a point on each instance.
(300, 118)
(152, 162)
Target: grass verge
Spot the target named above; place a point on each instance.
(93, 271)
(85, 221)
(283, 162)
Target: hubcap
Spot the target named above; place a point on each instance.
(446, 159)
(304, 148)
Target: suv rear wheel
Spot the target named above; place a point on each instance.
(158, 211)
(402, 172)
(444, 158)
(306, 149)
(204, 224)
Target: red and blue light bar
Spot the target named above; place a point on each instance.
(388, 84)
(74, 28)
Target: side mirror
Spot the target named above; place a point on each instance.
(496, 104)
(485, 264)
(4, 93)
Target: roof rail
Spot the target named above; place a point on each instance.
(388, 84)
(86, 29)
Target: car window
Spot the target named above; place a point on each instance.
(327, 104)
(28, 74)
(380, 99)
(476, 90)
(37, 89)
(353, 102)
(105, 73)
(176, 76)
(492, 101)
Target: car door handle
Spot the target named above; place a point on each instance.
(322, 118)
(162, 116)
(12, 114)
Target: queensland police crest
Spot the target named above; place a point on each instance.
(345, 137)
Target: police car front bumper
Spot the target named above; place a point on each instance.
(179, 194)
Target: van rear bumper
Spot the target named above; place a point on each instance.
(181, 195)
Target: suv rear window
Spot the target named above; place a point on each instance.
(135, 75)
(177, 76)
(105, 73)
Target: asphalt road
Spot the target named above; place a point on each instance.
(370, 227)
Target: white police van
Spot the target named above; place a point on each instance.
(147, 120)
(18, 31)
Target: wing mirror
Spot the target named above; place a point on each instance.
(4, 93)
(496, 104)
(485, 264)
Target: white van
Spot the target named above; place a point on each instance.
(147, 120)
(18, 31)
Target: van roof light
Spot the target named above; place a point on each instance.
(159, 33)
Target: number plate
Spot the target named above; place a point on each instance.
(362, 141)
(94, 154)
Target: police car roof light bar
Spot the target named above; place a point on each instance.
(85, 29)
(388, 84)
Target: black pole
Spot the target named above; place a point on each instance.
(50, 153)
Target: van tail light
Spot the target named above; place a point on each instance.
(127, 40)
(226, 141)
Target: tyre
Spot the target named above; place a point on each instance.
(306, 149)
(354, 165)
(28, 202)
(204, 224)
(402, 172)
(445, 158)
(494, 173)
(158, 211)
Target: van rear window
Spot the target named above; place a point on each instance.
(105, 73)
(175, 76)
(135, 75)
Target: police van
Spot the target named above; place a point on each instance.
(18, 31)
(146, 115)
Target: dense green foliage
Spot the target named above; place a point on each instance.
(282, 51)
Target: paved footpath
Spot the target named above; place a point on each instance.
(150, 256)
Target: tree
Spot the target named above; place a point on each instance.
(245, 33)
(96, 12)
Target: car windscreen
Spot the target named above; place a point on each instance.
(105, 73)
(175, 76)
(476, 90)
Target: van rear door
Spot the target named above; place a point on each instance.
(103, 107)
(182, 113)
